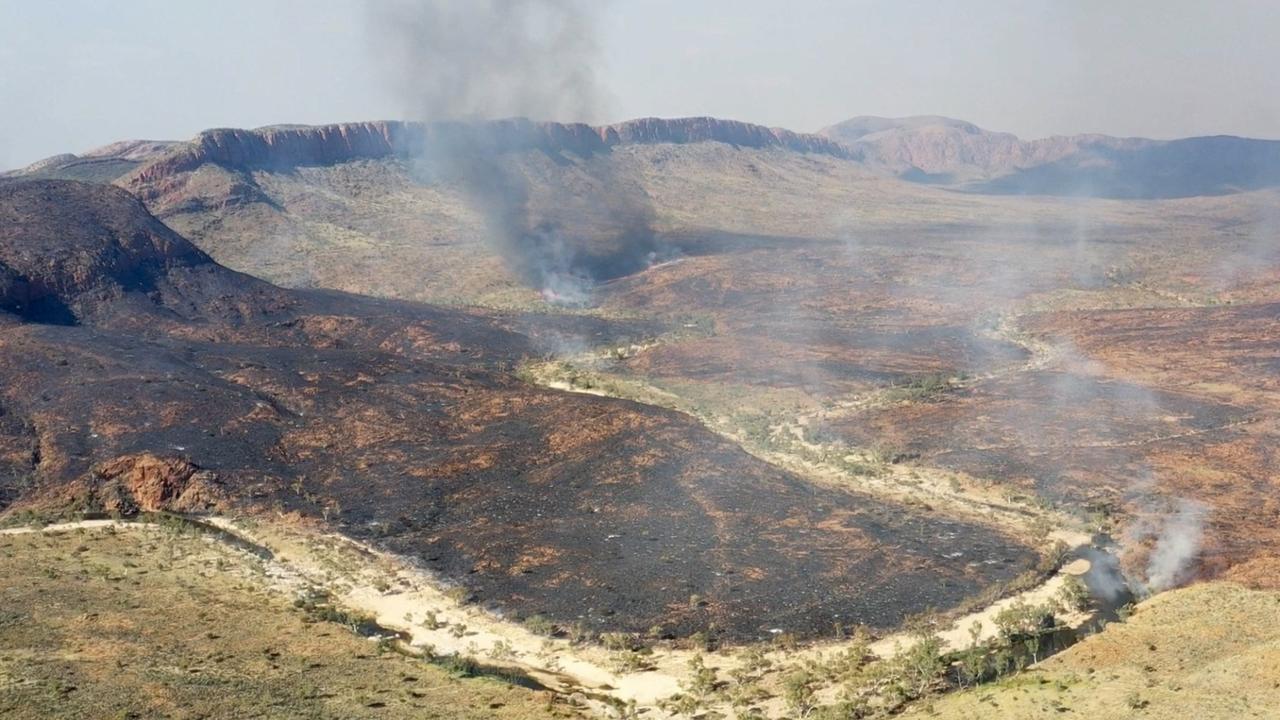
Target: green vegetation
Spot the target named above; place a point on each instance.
(540, 625)
(923, 388)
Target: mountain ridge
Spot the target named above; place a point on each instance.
(946, 151)
(925, 149)
(282, 146)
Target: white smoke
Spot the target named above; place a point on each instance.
(1177, 545)
(1172, 527)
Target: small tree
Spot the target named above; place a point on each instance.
(800, 691)
(702, 680)
(921, 666)
(973, 666)
(1074, 594)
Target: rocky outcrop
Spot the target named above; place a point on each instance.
(279, 148)
(145, 482)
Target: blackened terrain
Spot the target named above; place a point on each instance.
(138, 374)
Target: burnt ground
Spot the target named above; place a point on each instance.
(1063, 435)
(799, 274)
(165, 381)
(1227, 355)
(1092, 443)
(1142, 406)
(818, 317)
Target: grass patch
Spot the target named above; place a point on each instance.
(153, 624)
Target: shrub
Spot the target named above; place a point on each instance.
(502, 650)
(579, 633)
(702, 681)
(540, 625)
(620, 641)
(800, 691)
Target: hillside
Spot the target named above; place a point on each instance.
(167, 382)
(153, 622)
(821, 289)
(356, 207)
(1209, 651)
(795, 396)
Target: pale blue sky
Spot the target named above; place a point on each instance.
(77, 74)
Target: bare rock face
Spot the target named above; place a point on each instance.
(279, 147)
(150, 483)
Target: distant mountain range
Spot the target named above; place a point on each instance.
(946, 151)
(923, 149)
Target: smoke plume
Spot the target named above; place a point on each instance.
(1177, 535)
(1172, 527)
(458, 66)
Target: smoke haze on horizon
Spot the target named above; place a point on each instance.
(96, 73)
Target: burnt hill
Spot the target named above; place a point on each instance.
(169, 382)
(102, 252)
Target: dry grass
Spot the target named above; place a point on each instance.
(146, 623)
(1208, 651)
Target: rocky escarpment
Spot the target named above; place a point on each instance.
(277, 148)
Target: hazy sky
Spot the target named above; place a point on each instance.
(75, 74)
